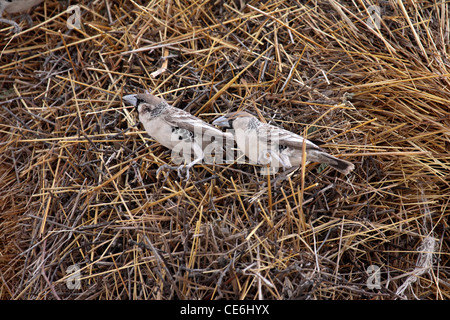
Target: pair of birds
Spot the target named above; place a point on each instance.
(262, 143)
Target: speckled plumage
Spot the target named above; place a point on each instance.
(177, 129)
(264, 143)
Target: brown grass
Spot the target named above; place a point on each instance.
(78, 184)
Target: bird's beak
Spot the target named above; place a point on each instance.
(221, 122)
(131, 99)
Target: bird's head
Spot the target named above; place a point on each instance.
(144, 103)
(230, 120)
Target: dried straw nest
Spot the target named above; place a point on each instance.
(79, 195)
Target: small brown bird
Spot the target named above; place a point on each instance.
(16, 6)
(263, 143)
(179, 131)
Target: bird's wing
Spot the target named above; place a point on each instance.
(182, 119)
(283, 137)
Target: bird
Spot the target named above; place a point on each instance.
(180, 132)
(267, 144)
(16, 6)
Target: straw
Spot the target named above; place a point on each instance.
(83, 215)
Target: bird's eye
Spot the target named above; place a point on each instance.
(139, 101)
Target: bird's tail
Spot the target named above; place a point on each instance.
(340, 165)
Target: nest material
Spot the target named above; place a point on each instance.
(79, 195)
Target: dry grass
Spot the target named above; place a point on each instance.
(78, 184)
